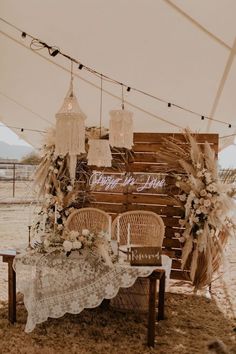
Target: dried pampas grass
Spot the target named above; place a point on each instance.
(207, 202)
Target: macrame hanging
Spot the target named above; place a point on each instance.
(70, 129)
(99, 153)
(121, 127)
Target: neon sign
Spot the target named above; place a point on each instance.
(141, 182)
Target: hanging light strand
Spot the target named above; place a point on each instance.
(37, 44)
(122, 97)
(100, 120)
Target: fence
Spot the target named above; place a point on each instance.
(15, 178)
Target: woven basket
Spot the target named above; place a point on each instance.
(134, 298)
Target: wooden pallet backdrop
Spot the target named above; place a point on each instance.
(146, 167)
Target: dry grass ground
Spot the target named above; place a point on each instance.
(191, 323)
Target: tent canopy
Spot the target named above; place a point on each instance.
(180, 51)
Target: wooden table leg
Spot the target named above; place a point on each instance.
(11, 293)
(152, 310)
(161, 301)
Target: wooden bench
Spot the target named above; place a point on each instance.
(158, 274)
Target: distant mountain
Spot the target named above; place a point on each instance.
(14, 151)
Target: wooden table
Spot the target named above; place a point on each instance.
(158, 274)
(8, 257)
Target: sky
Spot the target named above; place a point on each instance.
(227, 157)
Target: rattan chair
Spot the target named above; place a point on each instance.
(93, 219)
(146, 228)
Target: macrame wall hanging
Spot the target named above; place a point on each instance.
(70, 129)
(121, 127)
(99, 153)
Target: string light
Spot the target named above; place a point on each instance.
(23, 35)
(53, 51)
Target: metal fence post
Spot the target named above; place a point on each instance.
(14, 179)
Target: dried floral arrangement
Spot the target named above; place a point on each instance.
(208, 206)
(59, 196)
(92, 241)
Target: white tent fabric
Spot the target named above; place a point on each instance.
(179, 50)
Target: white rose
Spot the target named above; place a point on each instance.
(76, 245)
(207, 202)
(73, 235)
(69, 188)
(85, 232)
(182, 197)
(181, 222)
(203, 193)
(46, 243)
(204, 210)
(67, 245)
(196, 200)
(55, 170)
(198, 211)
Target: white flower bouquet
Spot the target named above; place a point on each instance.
(98, 243)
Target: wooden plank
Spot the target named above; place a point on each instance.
(171, 221)
(152, 147)
(149, 167)
(111, 208)
(158, 209)
(158, 199)
(179, 275)
(158, 137)
(176, 264)
(146, 157)
(174, 254)
(170, 232)
(171, 243)
(109, 197)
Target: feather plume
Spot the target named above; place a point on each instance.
(187, 249)
(194, 262)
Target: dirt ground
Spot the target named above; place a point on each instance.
(191, 321)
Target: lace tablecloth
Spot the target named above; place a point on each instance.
(54, 284)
